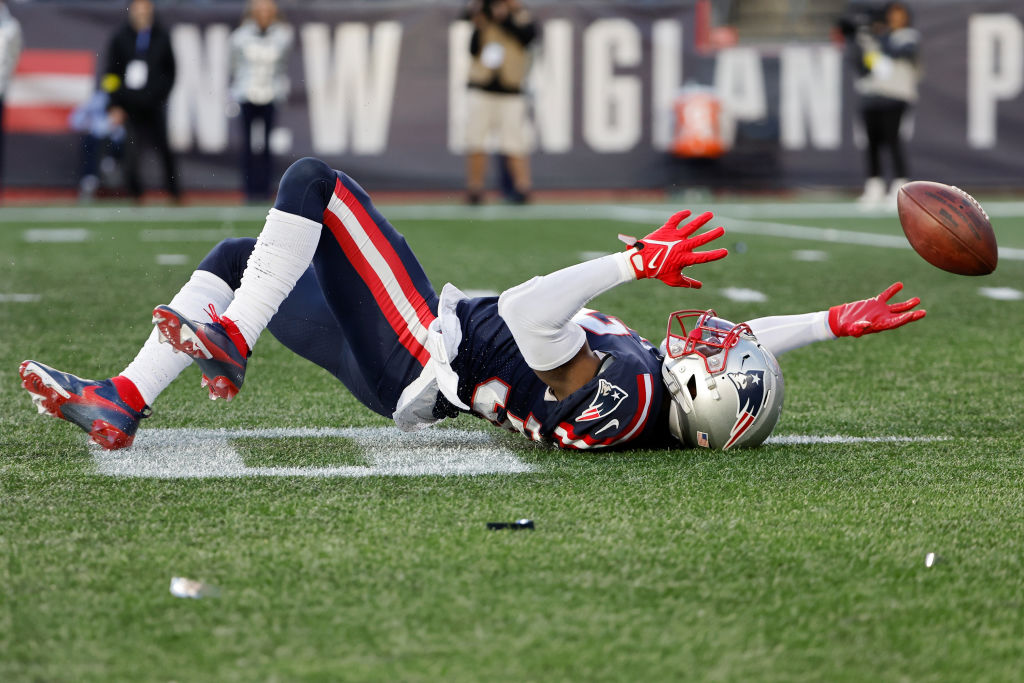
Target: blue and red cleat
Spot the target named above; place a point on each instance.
(218, 347)
(95, 406)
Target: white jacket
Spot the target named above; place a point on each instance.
(259, 63)
(10, 47)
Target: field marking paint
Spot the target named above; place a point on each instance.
(730, 215)
(133, 214)
(1001, 293)
(751, 210)
(56, 235)
(739, 218)
(171, 259)
(804, 232)
(473, 293)
(803, 439)
(207, 453)
(591, 255)
(202, 453)
(810, 255)
(19, 298)
(183, 235)
(742, 294)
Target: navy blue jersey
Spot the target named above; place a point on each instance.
(623, 406)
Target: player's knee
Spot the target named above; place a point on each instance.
(228, 258)
(305, 188)
(307, 170)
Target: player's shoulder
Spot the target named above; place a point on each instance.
(615, 409)
(608, 334)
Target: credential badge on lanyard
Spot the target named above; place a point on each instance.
(136, 74)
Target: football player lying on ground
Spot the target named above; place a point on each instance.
(338, 285)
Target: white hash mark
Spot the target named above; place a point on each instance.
(742, 294)
(1001, 293)
(201, 453)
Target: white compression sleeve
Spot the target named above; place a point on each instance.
(782, 333)
(539, 312)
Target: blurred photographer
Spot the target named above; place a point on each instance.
(883, 48)
(502, 32)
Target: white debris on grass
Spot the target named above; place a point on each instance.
(190, 588)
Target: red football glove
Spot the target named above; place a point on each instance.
(873, 315)
(666, 251)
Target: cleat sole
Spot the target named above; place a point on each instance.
(182, 338)
(108, 436)
(220, 387)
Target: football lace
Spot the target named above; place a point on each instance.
(973, 201)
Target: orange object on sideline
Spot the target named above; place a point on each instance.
(698, 125)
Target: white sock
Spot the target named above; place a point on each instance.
(283, 252)
(156, 365)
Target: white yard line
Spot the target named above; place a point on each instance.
(6, 298)
(742, 294)
(201, 453)
(801, 439)
(56, 235)
(183, 235)
(748, 210)
(1001, 293)
(738, 218)
(171, 259)
(810, 255)
(204, 453)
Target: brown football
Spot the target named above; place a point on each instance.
(947, 227)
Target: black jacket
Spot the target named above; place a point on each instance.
(159, 58)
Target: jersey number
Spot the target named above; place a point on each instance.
(490, 397)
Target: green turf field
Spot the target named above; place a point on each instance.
(795, 561)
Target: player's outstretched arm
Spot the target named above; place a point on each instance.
(666, 251)
(874, 315)
(782, 333)
(539, 312)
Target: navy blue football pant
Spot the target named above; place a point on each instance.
(362, 309)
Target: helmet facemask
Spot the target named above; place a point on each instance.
(726, 388)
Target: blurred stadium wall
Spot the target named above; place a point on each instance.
(378, 90)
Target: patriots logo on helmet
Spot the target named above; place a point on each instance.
(608, 398)
(750, 387)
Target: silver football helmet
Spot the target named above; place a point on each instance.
(726, 388)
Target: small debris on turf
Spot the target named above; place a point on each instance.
(931, 559)
(189, 588)
(518, 524)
